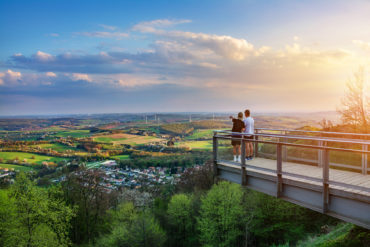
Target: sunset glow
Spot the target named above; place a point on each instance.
(142, 56)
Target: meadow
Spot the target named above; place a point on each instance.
(74, 133)
(16, 167)
(55, 146)
(126, 139)
(204, 145)
(121, 157)
(29, 157)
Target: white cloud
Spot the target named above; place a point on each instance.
(50, 74)
(362, 44)
(103, 34)
(54, 34)
(81, 77)
(10, 76)
(151, 26)
(43, 56)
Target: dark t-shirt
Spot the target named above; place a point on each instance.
(238, 125)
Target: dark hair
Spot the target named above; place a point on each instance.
(247, 113)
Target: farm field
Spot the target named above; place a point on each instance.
(121, 157)
(55, 146)
(38, 159)
(16, 167)
(74, 133)
(205, 145)
(126, 139)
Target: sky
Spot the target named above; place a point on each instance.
(71, 57)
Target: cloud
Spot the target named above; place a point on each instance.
(112, 28)
(102, 34)
(80, 77)
(151, 26)
(362, 44)
(54, 34)
(50, 74)
(42, 56)
(10, 76)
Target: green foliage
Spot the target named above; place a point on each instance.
(181, 220)
(275, 221)
(221, 215)
(33, 217)
(146, 232)
(343, 235)
(130, 228)
(84, 190)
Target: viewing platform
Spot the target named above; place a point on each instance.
(324, 171)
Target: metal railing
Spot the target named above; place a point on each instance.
(282, 141)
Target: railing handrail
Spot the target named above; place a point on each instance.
(321, 138)
(316, 131)
(297, 145)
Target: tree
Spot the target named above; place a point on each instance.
(146, 232)
(33, 217)
(132, 229)
(355, 105)
(84, 190)
(181, 220)
(197, 178)
(221, 216)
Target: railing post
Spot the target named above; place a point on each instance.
(215, 150)
(325, 181)
(319, 154)
(242, 154)
(279, 170)
(364, 159)
(256, 144)
(285, 150)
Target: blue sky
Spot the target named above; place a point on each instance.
(144, 56)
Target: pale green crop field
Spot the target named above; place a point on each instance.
(121, 157)
(55, 146)
(31, 158)
(16, 167)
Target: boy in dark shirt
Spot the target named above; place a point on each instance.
(238, 126)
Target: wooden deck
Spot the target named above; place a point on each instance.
(347, 198)
(350, 180)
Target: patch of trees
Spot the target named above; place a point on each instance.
(173, 161)
(31, 216)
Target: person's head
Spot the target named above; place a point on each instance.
(247, 113)
(240, 115)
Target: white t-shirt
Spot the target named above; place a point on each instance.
(249, 125)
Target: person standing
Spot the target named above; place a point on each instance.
(249, 131)
(238, 126)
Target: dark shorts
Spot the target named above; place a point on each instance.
(235, 142)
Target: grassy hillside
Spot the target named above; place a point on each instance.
(343, 235)
(29, 157)
(16, 167)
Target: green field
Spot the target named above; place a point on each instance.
(121, 157)
(201, 134)
(16, 167)
(38, 159)
(206, 145)
(55, 146)
(74, 133)
(122, 138)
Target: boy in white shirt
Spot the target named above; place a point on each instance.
(249, 129)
